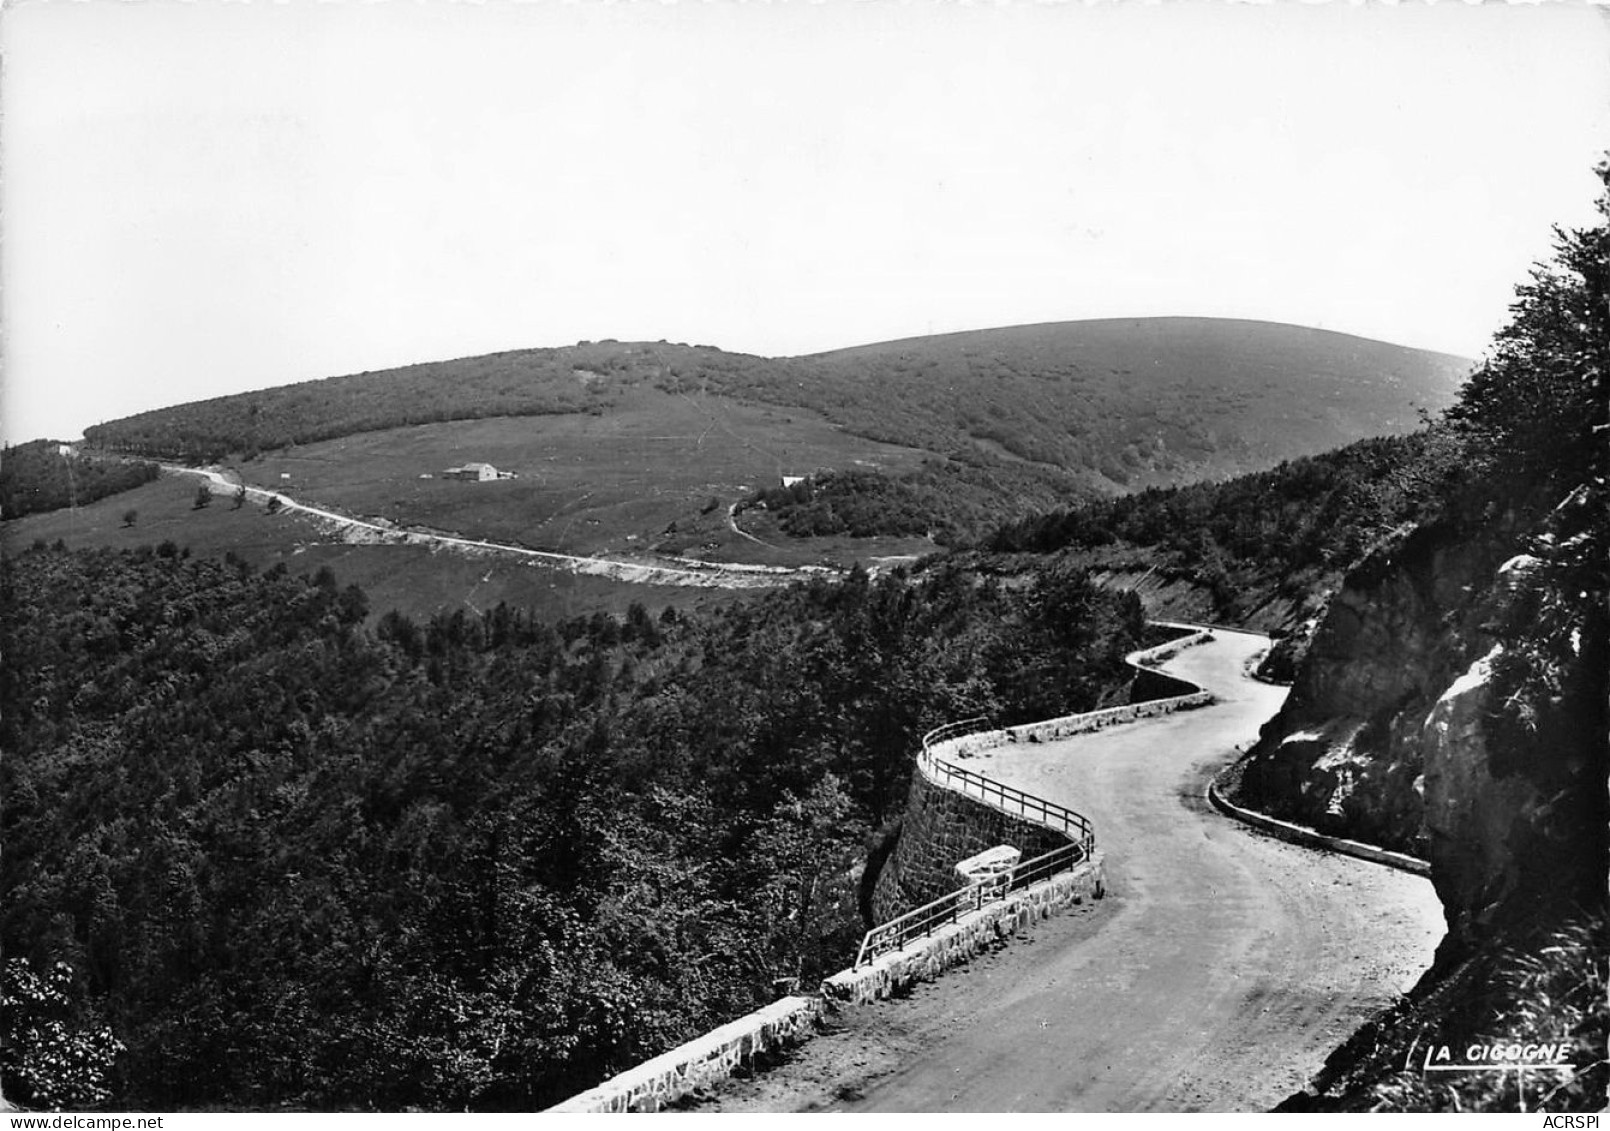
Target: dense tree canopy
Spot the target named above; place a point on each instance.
(1534, 422)
(1539, 406)
(950, 501)
(1528, 448)
(1287, 533)
(292, 861)
(41, 476)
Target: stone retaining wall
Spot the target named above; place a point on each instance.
(941, 827)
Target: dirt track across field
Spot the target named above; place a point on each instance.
(359, 531)
(1218, 973)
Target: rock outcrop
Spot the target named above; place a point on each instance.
(1394, 732)
(1344, 754)
(1469, 812)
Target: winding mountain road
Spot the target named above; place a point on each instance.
(1218, 974)
(370, 531)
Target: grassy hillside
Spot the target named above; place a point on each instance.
(412, 580)
(1129, 402)
(617, 482)
(624, 447)
(1147, 401)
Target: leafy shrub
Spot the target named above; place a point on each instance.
(51, 1058)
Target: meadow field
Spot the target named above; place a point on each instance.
(658, 470)
(414, 580)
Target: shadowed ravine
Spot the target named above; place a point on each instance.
(1217, 975)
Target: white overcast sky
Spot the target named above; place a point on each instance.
(212, 196)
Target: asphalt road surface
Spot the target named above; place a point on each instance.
(1217, 975)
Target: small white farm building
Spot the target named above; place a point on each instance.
(477, 473)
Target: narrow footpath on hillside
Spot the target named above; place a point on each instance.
(1218, 973)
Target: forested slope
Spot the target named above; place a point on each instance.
(1261, 548)
(259, 856)
(1456, 701)
(44, 475)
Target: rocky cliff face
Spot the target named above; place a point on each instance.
(1393, 732)
(1344, 755)
(1468, 810)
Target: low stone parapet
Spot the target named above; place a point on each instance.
(1167, 650)
(1297, 834)
(703, 1061)
(1052, 729)
(1048, 730)
(957, 943)
(977, 825)
(712, 1058)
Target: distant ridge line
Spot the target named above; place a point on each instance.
(1120, 320)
